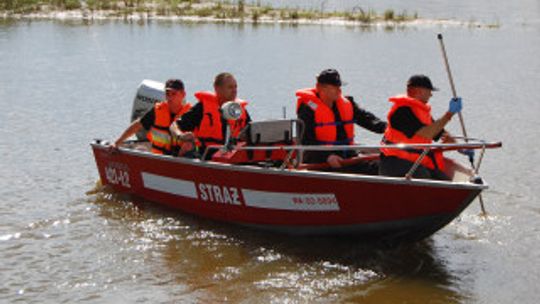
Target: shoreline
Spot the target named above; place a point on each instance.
(80, 15)
(223, 12)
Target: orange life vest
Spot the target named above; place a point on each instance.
(209, 131)
(422, 111)
(159, 134)
(325, 122)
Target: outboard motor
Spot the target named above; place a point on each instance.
(148, 93)
(231, 111)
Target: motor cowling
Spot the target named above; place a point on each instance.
(148, 93)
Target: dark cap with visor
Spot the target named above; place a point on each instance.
(421, 81)
(330, 76)
(174, 84)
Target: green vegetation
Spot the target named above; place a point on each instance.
(219, 10)
(361, 15)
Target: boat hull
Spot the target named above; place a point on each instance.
(288, 201)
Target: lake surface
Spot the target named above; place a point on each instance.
(65, 239)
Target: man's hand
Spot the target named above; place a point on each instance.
(446, 138)
(187, 136)
(186, 147)
(113, 148)
(334, 161)
(455, 105)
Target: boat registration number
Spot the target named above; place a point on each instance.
(117, 174)
(315, 200)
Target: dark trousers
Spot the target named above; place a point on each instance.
(369, 167)
(397, 167)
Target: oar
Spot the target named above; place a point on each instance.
(463, 130)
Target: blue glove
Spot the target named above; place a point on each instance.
(455, 105)
(468, 152)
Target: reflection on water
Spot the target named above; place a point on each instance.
(216, 262)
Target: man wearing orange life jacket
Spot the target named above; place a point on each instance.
(410, 122)
(329, 119)
(158, 120)
(204, 123)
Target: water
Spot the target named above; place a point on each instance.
(63, 84)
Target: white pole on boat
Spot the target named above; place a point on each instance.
(462, 123)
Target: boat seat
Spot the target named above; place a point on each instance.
(269, 133)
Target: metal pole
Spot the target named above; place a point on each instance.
(479, 160)
(451, 79)
(416, 164)
(462, 123)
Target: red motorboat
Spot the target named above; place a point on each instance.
(293, 199)
(262, 183)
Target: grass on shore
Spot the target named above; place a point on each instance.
(222, 10)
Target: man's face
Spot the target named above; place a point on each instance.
(227, 90)
(175, 97)
(422, 94)
(329, 92)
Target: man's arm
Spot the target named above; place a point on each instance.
(191, 119)
(145, 121)
(432, 130)
(405, 121)
(175, 130)
(308, 117)
(187, 123)
(367, 119)
(437, 126)
(132, 129)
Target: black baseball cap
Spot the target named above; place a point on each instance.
(330, 76)
(174, 84)
(421, 81)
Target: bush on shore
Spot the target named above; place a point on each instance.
(224, 9)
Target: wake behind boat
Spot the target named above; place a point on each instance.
(263, 184)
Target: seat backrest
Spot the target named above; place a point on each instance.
(270, 132)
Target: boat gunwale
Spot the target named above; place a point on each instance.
(302, 173)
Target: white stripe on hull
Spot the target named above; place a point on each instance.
(169, 185)
(291, 201)
(252, 198)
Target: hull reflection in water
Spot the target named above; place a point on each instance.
(213, 262)
(290, 201)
